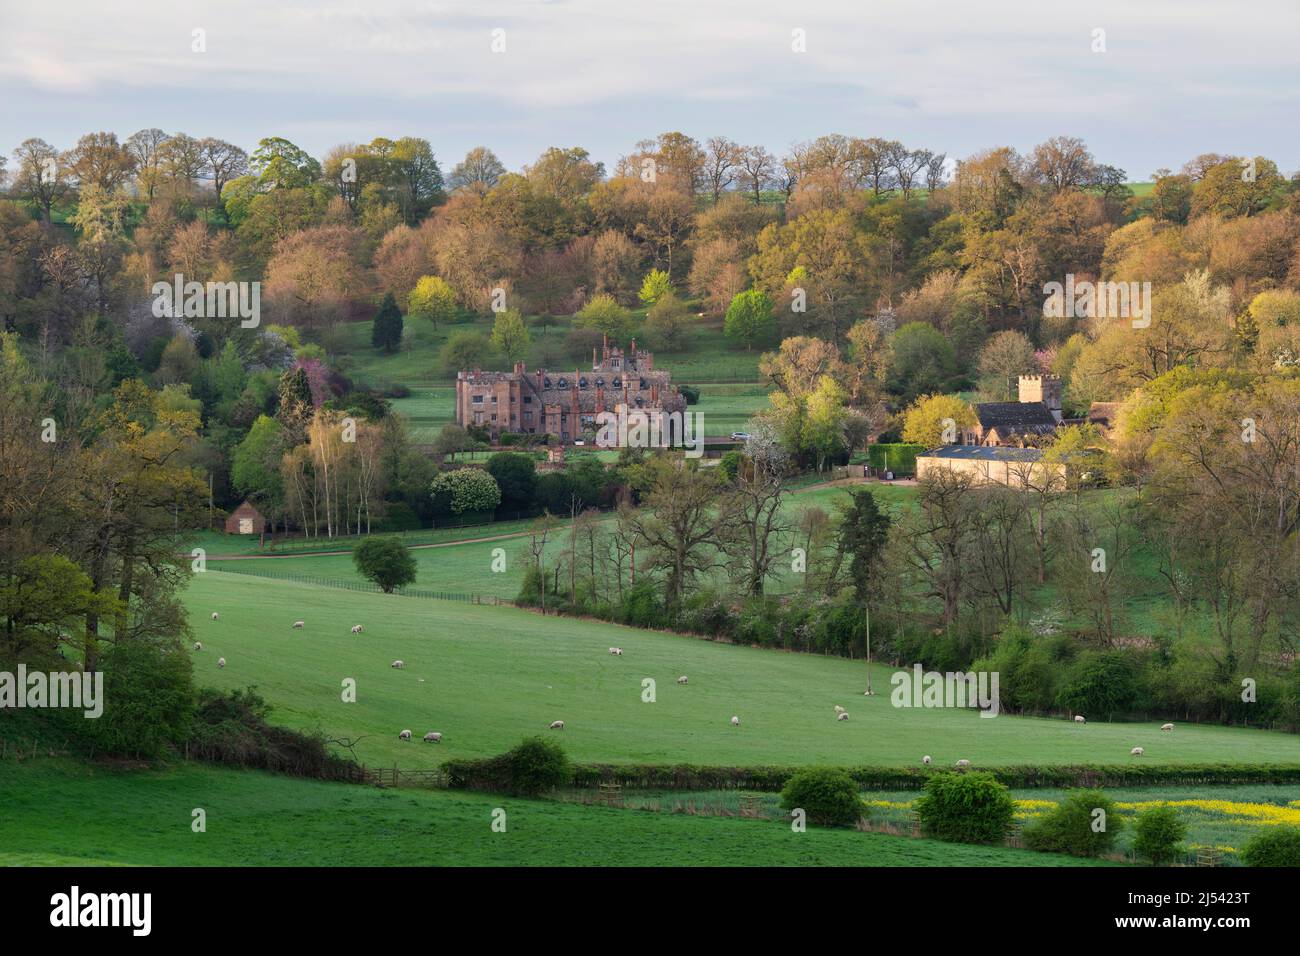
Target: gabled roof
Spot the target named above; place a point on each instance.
(246, 510)
(983, 453)
(1015, 416)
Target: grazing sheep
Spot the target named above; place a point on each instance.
(1166, 726)
(557, 725)
(198, 645)
(682, 679)
(963, 764)
(926, 760)
(616, 651)
(216, 616)
(404, 735)
(356, 628)
(735, 721)
(1079, 719)
(842, 715)
(221, 662)
(398, 664)
(839, 709)
(299, 625)
(433, 738)
(1137, 751)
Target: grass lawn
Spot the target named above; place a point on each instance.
(61, 813)
(488, 676)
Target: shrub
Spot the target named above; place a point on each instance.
(966, 808)
(827, 795)
(1158, 835)
(385, 562)
(1075, 827)
(537, 764)
(148, 699)
(466, 490)
(1274, 846)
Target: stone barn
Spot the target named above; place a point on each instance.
(245, 520)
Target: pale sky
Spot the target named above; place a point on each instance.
(1177, 78)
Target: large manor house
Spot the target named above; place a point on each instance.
(566, 404)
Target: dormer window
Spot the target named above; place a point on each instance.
(582, 382)
(547, 382)
(600, 382)
(562, 383)
(617, 383)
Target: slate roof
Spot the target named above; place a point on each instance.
(1015, 416)
(983, 453)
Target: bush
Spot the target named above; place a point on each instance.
(966, 808)
(1274, 846)
(148, 699)
(386, 562)
(536, 765)
(1158, 835)
(1072, 827)
(827, 795)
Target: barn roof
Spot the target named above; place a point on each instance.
(246, 510)
(983, 453)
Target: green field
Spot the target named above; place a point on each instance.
(467, 567)
(59, 813)
(487, 676)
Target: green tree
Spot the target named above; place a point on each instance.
(255, 465)
(466, 490)
(863, 531)
(386, 331)
(1085, 823)
(655, 287)
(1158, 835)
(433, 299)
(509, 336)
(667, 324)
(516, 476)
(464, 350)
(921, 359)
(749, 317)
(935, 420)
(604, 314)
(386, 562)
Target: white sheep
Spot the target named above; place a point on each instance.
(842, 715)
(404, 735)
(433, 738)
(1079, 719)
(839, 709)
(221, 662)
(398, 664)
(216, 616)
(963, 764)
(557, 725)
(735, 721)
(356, 628)
(926, 760)
(682, 679)
(1166, 726)
(616, 651)
(1137, 751)
(299, 625)
(198, 645)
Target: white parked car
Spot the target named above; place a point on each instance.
(740, 436)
